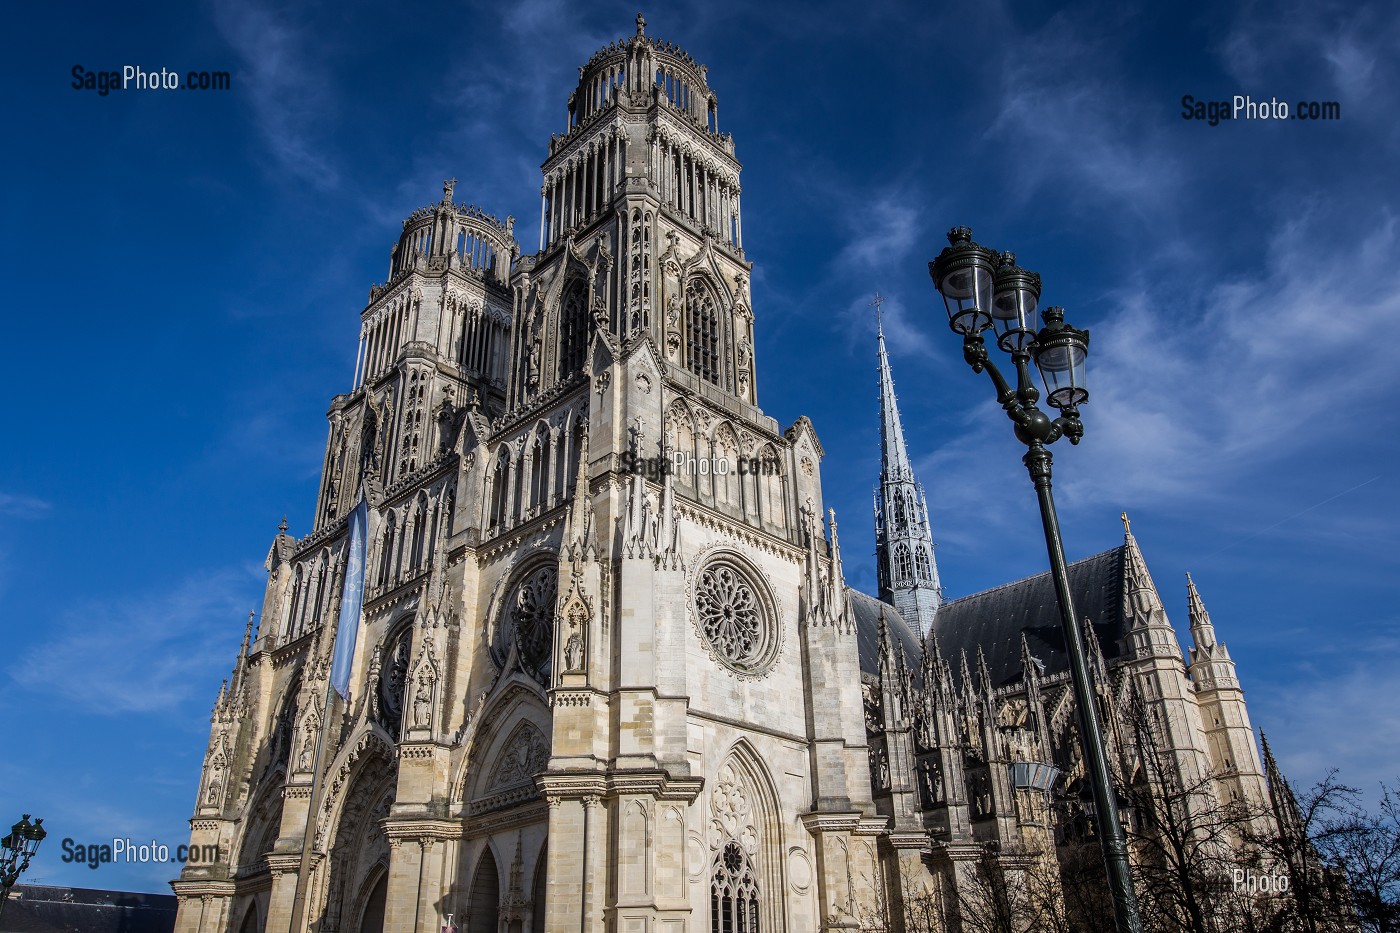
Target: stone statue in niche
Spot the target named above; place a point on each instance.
(533, 366)
(423, 700)
(573, 651)
(573, 645)
(308, 746)
(373, 689)
(930, 781)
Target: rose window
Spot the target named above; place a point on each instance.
(527, 623)
(733, 620)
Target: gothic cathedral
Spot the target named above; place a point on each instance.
(608, 675)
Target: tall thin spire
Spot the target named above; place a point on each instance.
(903, 539)
(894, 455)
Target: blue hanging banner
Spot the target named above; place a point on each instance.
(351, 601)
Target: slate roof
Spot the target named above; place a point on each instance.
(867, 610)
(995, 619)
(39, 908)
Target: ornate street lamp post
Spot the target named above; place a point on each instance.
(986, 291)
(16, 850)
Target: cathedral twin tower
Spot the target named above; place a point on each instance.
(583, 696)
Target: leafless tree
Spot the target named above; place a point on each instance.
(1366, 846)
(1190, 848)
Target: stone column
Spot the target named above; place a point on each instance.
(401, 904)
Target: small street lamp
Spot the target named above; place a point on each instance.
(983, 290)
(16, 850)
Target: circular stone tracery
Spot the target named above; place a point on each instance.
(527, 623)
(733, 620)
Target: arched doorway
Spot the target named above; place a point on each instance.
(250, 920)
(537, 894)
(484, 908)
(372, 919)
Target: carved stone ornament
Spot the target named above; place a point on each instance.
(734, 618)
(526, 754)
(731, 814)
(423, 699)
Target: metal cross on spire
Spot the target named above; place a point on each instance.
(875, 303)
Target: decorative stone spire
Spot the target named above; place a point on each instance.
(1151, 633)
(836, 580)
(240, 666)
(1281, 797)
(579, 526)
(1210, 664)
(903, 540)
(984, 675)
(1202, 631)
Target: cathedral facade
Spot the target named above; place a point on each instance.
(607, 675)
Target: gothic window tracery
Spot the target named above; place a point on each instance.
(392, 679)
(923, 564)
(386, 551)
(702, 333)
(292, 628)
(733, 892)
(420, 532)
(573, 331)
(527, 623)
(903, 564)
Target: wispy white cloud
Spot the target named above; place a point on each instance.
(1197, 393)
(1081, 129)
(23, 506)
(289, 96)
(1345, 43)
(881, 228)
(1193, 390)
(142, 653)
(1311, 716)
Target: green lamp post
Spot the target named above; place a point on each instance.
(983, 290)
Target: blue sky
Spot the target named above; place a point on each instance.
(186, 269)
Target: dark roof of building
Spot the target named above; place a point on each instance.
(40, 908)
(867, 610)
(995, 619)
